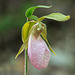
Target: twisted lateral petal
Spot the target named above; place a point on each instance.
(38, 52)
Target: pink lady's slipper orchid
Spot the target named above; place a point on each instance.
(38, 50)
(34, 37)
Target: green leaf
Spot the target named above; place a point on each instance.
(33, 17)
(24, 46)
(44, 36)
(25, 30)
(55, 16)
(30, 11)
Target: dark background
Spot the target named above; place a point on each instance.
(61, 36)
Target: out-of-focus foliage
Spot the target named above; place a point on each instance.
(16, 19)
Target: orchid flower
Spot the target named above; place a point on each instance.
(34, 37)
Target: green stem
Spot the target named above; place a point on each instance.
(26, 55)
(26, 62)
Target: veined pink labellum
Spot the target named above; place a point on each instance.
(38, 52)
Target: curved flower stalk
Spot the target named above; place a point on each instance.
(34, 37)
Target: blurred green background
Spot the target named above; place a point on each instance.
(61, 36)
